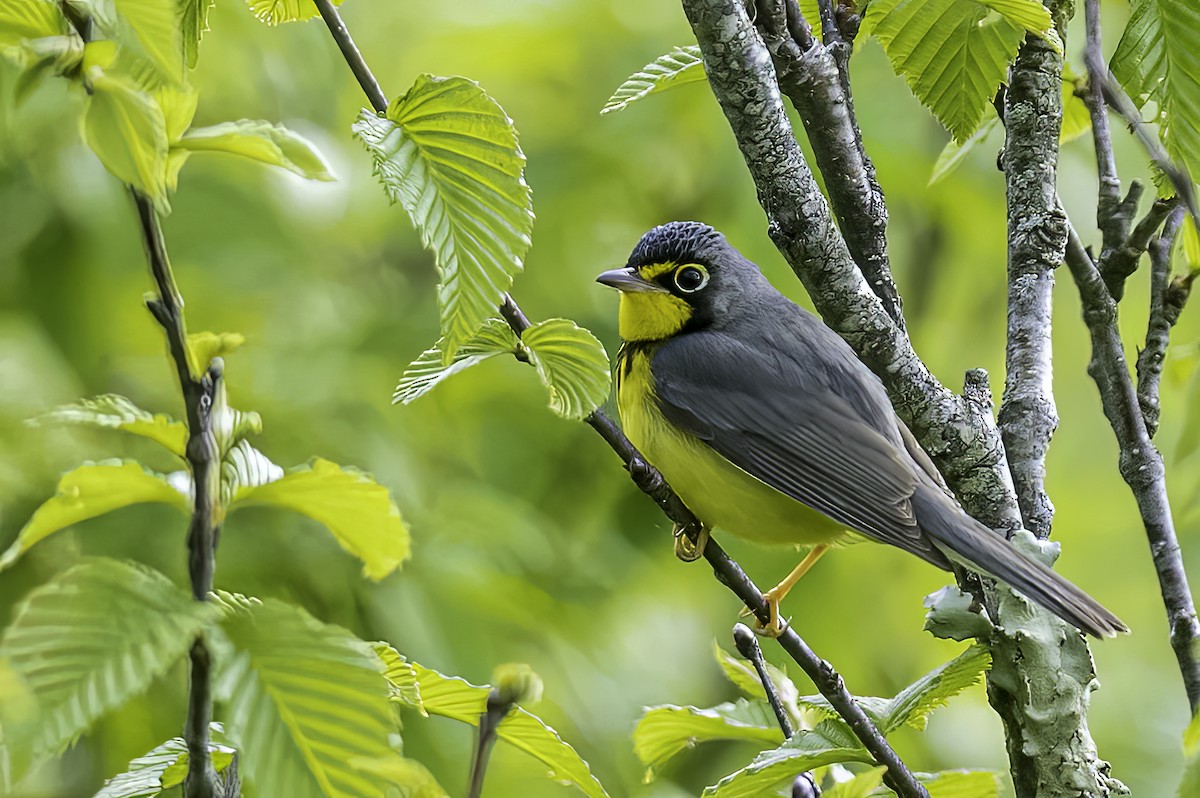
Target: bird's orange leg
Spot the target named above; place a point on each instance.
(774, 626)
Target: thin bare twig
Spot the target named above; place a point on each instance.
(1167, 298)
(828, 682)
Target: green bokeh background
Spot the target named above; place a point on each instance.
(530, 542)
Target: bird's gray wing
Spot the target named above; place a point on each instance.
(790, 432)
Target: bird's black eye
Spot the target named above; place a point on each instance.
(690, 279)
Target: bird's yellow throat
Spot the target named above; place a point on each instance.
(652, 315)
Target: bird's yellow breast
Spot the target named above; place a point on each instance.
(721, 494)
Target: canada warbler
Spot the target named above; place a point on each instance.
(769, 427)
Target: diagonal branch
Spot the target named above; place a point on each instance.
(816, 81)
(827, 681)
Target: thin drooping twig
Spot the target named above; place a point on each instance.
(1167, 298)
(1140, 463)
(811, 77)
(1037, 238)
(827, 680)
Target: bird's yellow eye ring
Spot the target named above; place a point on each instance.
(691, 278)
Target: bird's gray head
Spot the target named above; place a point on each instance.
(681, 276)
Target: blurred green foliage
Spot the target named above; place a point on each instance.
(530, 544)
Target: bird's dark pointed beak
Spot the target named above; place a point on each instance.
(627, 280)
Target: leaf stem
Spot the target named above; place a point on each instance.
(747, 646)
(354, 58)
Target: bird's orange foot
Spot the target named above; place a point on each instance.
(775, 625)
(687, 549)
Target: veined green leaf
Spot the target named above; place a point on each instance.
(89, 491)
(952, 53)
(274, 12)
(401, 677)
(354, 507)
(495, 337)
(677, 68)
(860, 786)
(303, 700)
(831, 741)
(125, 127)
(116, 412)
(662, 732)
(953, 154)
(456, 698)
(152, 28)
(30, 19)
(961, 784)
(413, 778)
(1028, 14)
(260, 141)
(60, 54)
(193, 24)
(448, 153)
(92, 637)
(162, 768)
(1158, 58)
(572, 364)
(912, 705)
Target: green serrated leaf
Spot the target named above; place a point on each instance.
(162, 768)
(303, 701)
(125, 127)
(953, 154)
(91, 638)
(401, 677)
(193, 24)
(30, 19)
(274, 12)
(59, 55)
(260, 141)
(495, 337)
(204, 346)
(448, 153)
(1028, 14)
(456, 698)
(912, 705)
(151, 27)
(1158, 58)
(413, 778)
(662, 732)
(572, 364)
(861, 786)
(111, 411)
(962, 784)
(831, 741)
(953, 54)
(679, 67)
(354, 507)
(92, 490)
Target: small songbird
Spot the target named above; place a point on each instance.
(769, 427)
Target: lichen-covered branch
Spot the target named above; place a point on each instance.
(1167, 298)
(1037, 237)
(1140, 463)
(816, 82)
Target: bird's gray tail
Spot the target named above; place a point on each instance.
(965, 540)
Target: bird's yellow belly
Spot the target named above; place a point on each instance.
(721, 495)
